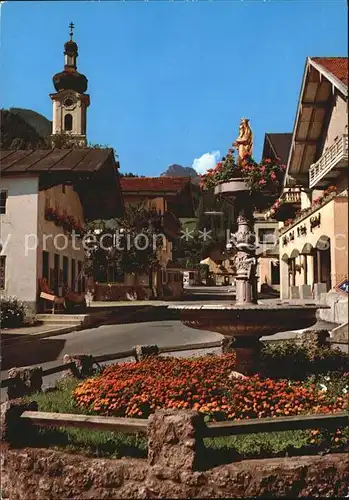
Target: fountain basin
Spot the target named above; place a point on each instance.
(250, 320)
(246, 324)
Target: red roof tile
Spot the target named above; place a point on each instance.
(338, 66)
(157, 184)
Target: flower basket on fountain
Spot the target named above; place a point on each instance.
(263, 180)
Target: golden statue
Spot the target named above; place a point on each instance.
(244, 143)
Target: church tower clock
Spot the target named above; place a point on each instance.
(70, 102)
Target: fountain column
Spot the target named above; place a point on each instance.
(245, 260)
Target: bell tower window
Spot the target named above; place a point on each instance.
(68, 122)
(69, 60)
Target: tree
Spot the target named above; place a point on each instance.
(129, 174)
(195, 246)
(129, 244)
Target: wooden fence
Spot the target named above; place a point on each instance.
(122, 355)
(212, 429)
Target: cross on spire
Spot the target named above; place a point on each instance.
(71, 27)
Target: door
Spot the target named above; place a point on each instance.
(275, 273)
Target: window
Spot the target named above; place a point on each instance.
(65, 270)
(56, 274)
(79, 276)
(68, 122)
(164, 276)
(267, 235)
(73, 274)
(2, 271)
(45, 265)
(3, 201)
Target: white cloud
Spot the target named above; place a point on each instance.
(206, 161)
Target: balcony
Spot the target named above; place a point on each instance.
(286, 206)
(292, 197)
(335, 158)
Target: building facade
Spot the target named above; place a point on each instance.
(45, 202)
(313, 227)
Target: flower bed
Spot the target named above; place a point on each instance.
(203, 384)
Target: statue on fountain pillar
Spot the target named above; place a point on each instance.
(244, 143)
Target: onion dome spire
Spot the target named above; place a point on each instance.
(70, 78)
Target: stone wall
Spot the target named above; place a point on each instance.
(114, 292)
(178, 466)
(46, 474)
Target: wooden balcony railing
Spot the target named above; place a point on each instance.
(335, 156)
(292, 197)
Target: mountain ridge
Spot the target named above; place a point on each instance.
(176, 170)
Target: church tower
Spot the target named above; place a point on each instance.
(70, 102)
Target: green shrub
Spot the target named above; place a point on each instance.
(12, 312)
(297, 361)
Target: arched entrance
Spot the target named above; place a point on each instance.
(292, 266)
(284, 277)
(275, 272)
(307, 253)
(322, 261)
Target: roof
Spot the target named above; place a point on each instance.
(39, 161)
(92, 172)
(338, 66)
(153, 184)
(279, 144)
(323, 78)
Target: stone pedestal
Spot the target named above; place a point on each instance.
(248, 353)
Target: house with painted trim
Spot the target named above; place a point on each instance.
(313, 220)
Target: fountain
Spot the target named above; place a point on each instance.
(246, 320)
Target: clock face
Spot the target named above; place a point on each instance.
(69, 101)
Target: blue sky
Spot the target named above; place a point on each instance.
(170, 81)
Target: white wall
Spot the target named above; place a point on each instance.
(20, 221)
(48, 231)
(338, 123)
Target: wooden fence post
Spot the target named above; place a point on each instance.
(24, 381)
(13, 429)
(144, 351)
(83, 365)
